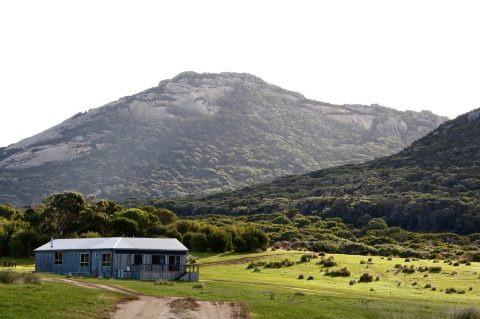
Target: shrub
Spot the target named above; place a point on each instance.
(352, 282)
(255, 264)
(456, 264)
(301, 276)
(328, 262)
(470, 313)
(12, 277)
(450, 290)
(407, 260)
(428, 286)
(408, 270)
(435, 269)
(307, 258)
(366, 277)
(310, 277)
(279, 264)
(344, 272)
(389, 258)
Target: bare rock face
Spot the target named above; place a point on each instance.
(198, 134)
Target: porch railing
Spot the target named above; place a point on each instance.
(164, 268)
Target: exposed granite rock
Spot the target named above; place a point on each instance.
(201, 133)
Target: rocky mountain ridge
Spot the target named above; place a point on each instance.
(198, 134)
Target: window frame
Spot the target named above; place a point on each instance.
(84, 263)
(58, 258)
(161, 260)
(106, 262)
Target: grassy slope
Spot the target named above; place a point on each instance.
(270, 292)
(55, 300)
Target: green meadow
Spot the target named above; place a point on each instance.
(278, 292)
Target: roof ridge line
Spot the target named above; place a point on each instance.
(117, 242)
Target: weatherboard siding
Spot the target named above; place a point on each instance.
(121, 261)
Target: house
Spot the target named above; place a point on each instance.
(117, 257)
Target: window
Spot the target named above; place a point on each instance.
(158, 259)
(106, 260)
(84, 260)
(58, 260)
(138, 259)
(174, 263)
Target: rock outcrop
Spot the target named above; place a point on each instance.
(198, 134)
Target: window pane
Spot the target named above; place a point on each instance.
(106, 258)
(58, 258)
(158, 259)
(84, 260)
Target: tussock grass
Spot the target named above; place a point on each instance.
(14, 277)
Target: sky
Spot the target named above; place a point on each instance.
(58, 58)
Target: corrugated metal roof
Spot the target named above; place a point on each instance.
(114, 243)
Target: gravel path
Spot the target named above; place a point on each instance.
(147, 307)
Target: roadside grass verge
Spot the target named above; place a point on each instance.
(55, 300)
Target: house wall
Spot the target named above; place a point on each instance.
(121, 261)
(44, 262)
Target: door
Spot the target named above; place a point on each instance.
(138, 259)
(174, 263)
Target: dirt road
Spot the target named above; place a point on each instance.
(147, 307)
(179, 308)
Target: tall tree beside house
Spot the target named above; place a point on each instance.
(62, 211)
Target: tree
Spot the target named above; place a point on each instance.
(23, 243)
(198, 242)
(123, 226)
(166, 216)
(219, 241)
(63, 210)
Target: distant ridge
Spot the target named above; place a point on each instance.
(432, 185)
(200, 134)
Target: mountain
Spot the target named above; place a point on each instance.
(433, 185)
(200, 134)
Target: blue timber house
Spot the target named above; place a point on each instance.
(117, 257)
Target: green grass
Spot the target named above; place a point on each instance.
(23, 264)
(273, 293)
(55, 300)
(270, 292)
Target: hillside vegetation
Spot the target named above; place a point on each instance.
(200, 134)
(433, 185)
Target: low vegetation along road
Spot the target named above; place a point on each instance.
(140, 306)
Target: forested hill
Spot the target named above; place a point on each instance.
(432, 185)
(200, 134)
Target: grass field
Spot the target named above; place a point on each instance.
(278, 293)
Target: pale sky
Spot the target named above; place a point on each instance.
(58, 58)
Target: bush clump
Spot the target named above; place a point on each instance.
(435, 269)
(328, 262)
(366, 277)
(307, 257)
(470, 313)
(279, 264)
(301, 276)
(255, 264)
(343, 272)
(12, 277)
(409, 270)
